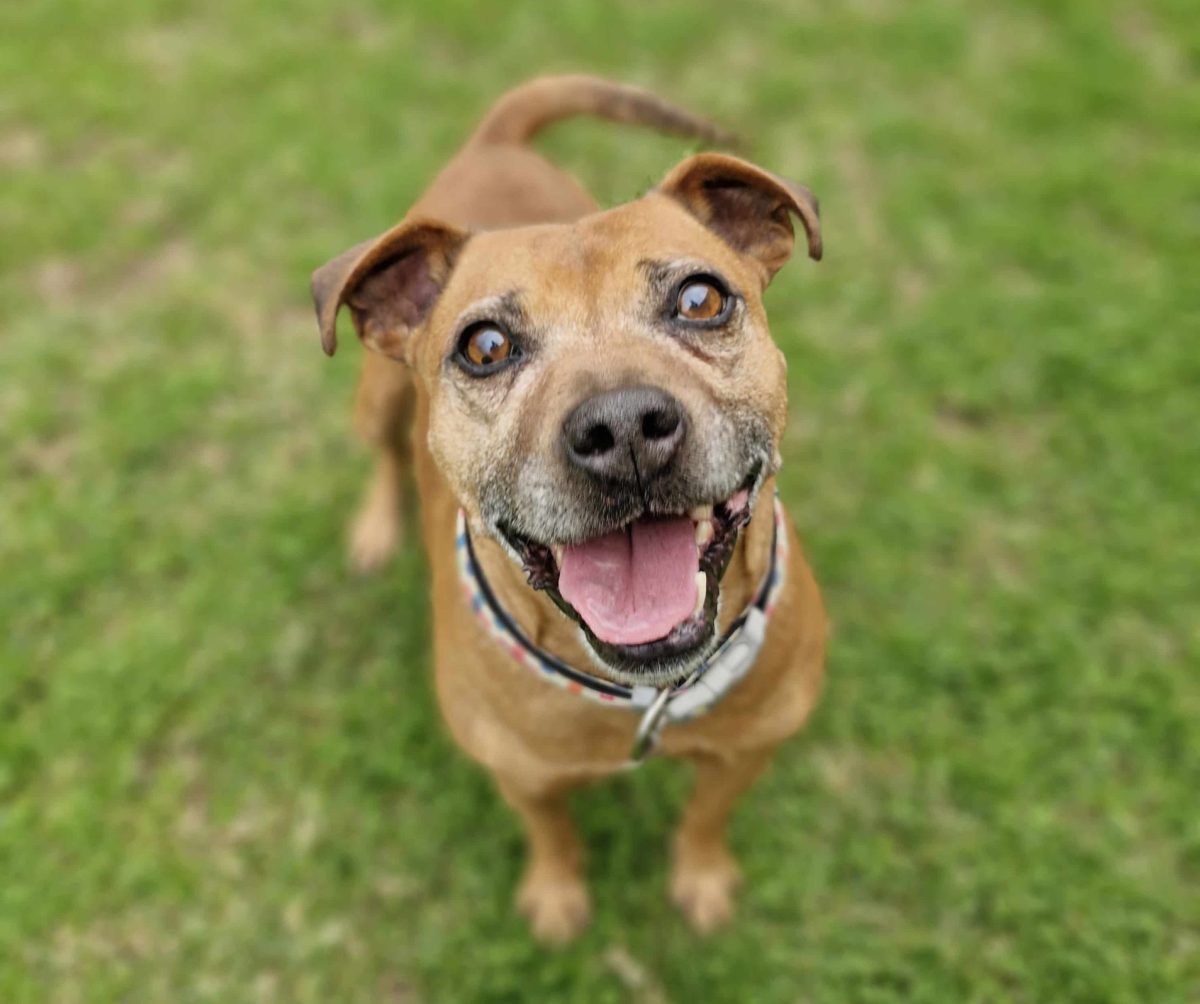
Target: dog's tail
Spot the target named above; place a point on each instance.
(530, 107)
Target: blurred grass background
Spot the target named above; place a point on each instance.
(222, 777)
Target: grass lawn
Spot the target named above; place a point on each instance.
(222, 775)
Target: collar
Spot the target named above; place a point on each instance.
(730, 660)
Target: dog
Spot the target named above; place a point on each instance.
(592, 405)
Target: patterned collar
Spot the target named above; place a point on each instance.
(707, 684)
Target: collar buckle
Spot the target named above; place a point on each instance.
(650, 728)
(654, 718)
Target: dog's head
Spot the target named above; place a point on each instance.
(605, 396)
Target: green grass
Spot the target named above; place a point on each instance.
(222, 776)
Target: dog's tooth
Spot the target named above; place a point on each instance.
(704, 532)
(700, 513)
(557, 551)
(701, 592)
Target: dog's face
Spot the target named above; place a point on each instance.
(605, 396)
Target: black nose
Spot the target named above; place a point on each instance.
(628, 435)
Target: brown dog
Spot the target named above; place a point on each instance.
(599, 395)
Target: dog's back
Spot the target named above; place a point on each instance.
(497, 180)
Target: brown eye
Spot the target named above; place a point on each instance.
(485, 346)
(701, 300)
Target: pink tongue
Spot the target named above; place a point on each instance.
(635, 584)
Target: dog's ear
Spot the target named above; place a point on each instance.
(749, 208)
(389, 283)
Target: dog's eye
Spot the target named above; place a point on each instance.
(701, 299)
(484, 346)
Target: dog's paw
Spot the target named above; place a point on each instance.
(557, 906)
(374, 537)
(703, 889)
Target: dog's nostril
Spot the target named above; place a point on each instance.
(659, 424)
(596, 440)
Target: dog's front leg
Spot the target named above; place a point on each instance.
(552, 893)
(705, 875)
(383, 410)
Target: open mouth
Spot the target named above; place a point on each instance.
(645, 593)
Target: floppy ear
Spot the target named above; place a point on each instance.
(749, 208)
(390, 283)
